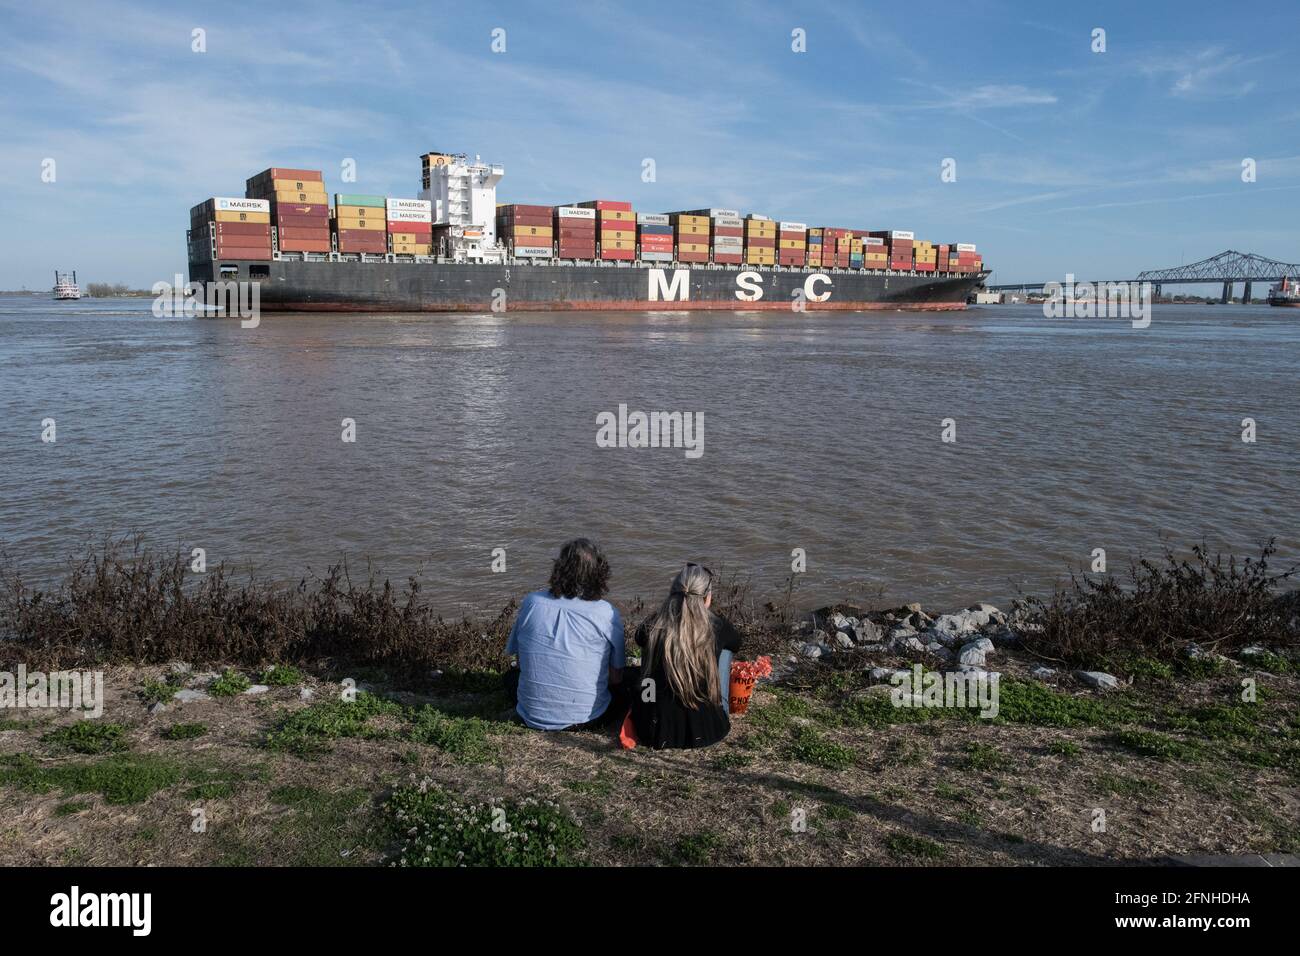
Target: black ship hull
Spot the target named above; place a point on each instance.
(411, 286)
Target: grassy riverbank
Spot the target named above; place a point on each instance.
(824, 769)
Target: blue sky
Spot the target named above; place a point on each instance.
(1067, 160)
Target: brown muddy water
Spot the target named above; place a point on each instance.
(821, 432)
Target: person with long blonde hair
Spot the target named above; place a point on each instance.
(680, 700)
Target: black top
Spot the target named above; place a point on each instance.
(667, 723)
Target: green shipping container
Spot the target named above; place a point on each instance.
(352, 199)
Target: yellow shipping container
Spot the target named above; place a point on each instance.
(355, 222)
(297, 186)
(625, 215)
(692, 220)
(617, 244)
(694, 230)
(617, 235)
(412, 248)
(407, 237)
(542, 232)
(297, 198)
(792, 244)
(692, 247)
(232, 216)
(361, 212)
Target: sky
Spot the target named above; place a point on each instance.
(1066, 160)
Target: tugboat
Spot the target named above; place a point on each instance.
(1284, 294)
(65, 286)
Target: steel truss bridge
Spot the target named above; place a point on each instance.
(1228, 268)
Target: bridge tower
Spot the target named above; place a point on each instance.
(1245, 293)
(1227, 293)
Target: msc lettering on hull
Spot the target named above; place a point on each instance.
(749, 286)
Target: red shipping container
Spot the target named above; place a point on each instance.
(693, 257)
(279, 172)
(244, 229)
(519, 208)
(728, 231)
(243, 252)
(304, 245)
(526, 220)
(756, 242)
(577, 252)
(304, 222)
(617, 254)
(603, 204)
(294, 232)
(788, 234)
(727, 257)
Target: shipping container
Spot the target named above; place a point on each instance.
(575, 212)
(359, 212)
(305, 245)
(356, 199)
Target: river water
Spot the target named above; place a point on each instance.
(822, 432)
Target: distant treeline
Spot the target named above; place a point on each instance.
(101, 290)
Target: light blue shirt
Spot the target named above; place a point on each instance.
(566, 647)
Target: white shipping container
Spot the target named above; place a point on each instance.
(872, 241)
(723, 242)
(574, 212)
(725, 213)
(754, 215)
(657, 256)
(900, 235)
(535, 252)
(410, 215)
(242, 205)
(653, 219)
(728, 221)
(793, 226)
(410, 205)
(965, 247)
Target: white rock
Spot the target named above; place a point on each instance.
(306, 693)
(1098, 679)
(973, 654)
(257, 689)
(865, 632)
(812, 650)
(1041, 672)
(953, 623)
(1254, 651)
(840, 622)
(157, 709)
(873, 648)
(189, 696)
(843, 640)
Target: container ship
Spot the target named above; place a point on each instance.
(1284, 294)
(454, 248)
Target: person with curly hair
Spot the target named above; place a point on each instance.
(569, 643)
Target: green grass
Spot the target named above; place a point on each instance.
(1272, 663)
(119, 778)
(946, 791)
(307, 732)
(281, 675)
(184, 731)
(229, 684)
(810, 747)
(435, 828)
(161, 691)
(10, 723)
(984, 757)
(71, 808)
(215, 790)
(1064, 748)
(1148, 743)
(1122, 786)
(88, 737)
(731, 760)
(905, 847)
(693, 849)
(877, 711)
(1029, 702)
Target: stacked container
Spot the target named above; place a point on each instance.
(835, 248)
(615, 228)
(899, 245)
(728, 236)
(815, 241)
(760, 241)
(855, 249)
(361, 223)
(792, 244)
(527, 231)
(654, 237)
(299, 207)
(410, 226)
(874, 253)
(232, 228)
(575, 232)
(924, 256)
(692, 233)
(968, 260)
